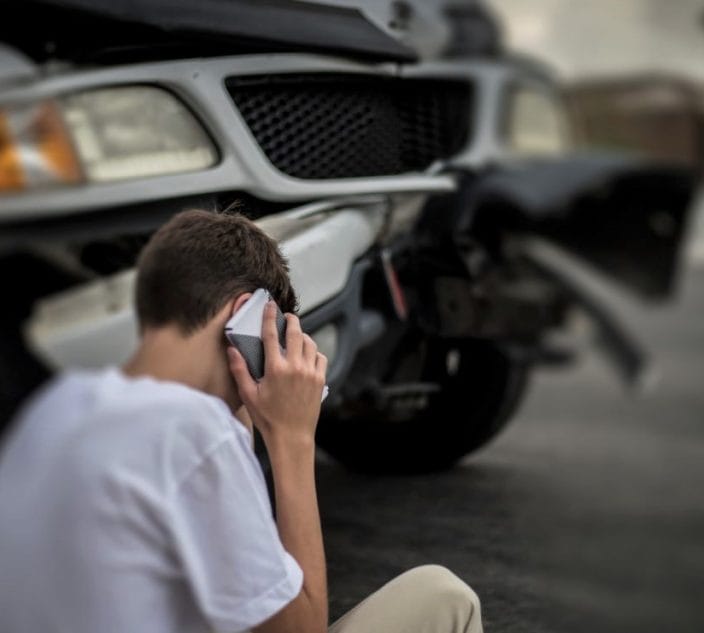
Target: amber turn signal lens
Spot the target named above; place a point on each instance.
(10, 168)
(36, 149)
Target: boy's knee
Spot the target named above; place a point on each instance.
(440, 586)
(427, 598)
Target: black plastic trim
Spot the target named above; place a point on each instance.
(345, 312)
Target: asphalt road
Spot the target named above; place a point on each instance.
(586, 514)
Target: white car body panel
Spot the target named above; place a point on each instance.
(95, 325)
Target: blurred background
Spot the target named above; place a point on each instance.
(632, 72)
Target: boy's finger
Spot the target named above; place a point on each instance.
(246, 385)
(294, 338)
(321, 364)
(310, 349)
(270, 337)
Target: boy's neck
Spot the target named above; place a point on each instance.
(197, 360)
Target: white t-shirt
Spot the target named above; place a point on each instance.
(131, 505)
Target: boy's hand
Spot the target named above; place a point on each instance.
(285, 403)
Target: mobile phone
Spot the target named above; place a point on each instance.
(244, 331)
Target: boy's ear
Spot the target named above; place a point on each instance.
(239, 301)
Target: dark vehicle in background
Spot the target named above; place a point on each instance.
(659, 116)
(422, 183)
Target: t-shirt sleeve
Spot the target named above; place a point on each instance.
(227, 540)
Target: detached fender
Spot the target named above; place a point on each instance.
(626, 216)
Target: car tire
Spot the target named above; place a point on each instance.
(479, 386)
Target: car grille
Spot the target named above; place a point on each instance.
(346, 126)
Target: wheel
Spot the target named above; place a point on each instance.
(438, 401)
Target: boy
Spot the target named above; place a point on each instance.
(132, 500)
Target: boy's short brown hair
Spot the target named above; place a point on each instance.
(198, 261)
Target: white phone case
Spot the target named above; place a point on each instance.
(244, 331)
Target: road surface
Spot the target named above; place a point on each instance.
(586, 514)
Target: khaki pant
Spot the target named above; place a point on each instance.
(428, 599)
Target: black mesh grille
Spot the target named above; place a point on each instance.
(346, 126)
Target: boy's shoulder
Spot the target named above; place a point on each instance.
(108, 391)
(103, 417)
(163, 407)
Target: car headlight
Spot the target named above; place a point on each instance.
(100, 135)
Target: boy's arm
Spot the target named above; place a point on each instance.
(299, 527)
(284, 407)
